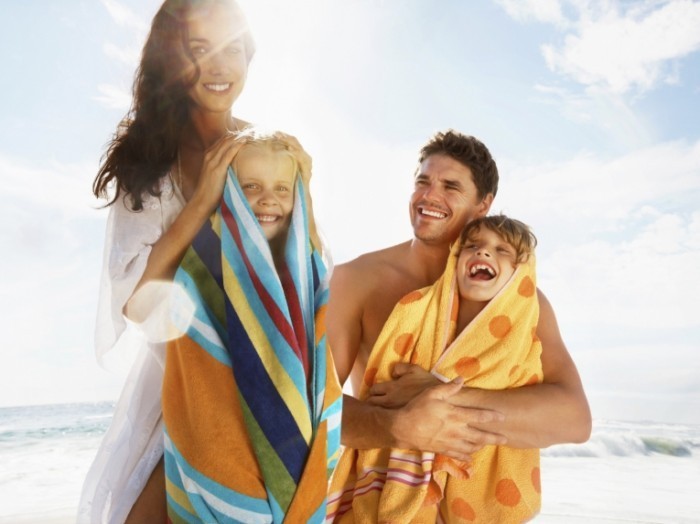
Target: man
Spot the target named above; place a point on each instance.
(456, 182)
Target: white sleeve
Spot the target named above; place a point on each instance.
(129, 238)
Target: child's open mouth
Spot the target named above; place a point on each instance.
(481, 271)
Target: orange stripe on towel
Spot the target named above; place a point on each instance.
(210, 433)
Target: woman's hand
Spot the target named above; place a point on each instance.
(166, 254)
(301, 156)
(409, 381)
(304, 162)
(212, 177)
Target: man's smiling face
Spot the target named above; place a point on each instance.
(444, 199)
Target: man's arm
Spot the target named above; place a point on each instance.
(553, 412)
(536, 416)
(429, 422)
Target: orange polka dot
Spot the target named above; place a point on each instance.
(468, 366)
(527, 287)
(461, 508)
(403, 344)
(534, 379)
(500, 326)
(411, 297)
(535, 475)
(507, 493)
(370, 375)
(535, 338)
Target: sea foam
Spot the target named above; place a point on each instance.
(627, 472)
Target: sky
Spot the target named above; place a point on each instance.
(590, 108)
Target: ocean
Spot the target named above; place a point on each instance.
(628, 472)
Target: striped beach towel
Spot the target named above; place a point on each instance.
(497, 350)
(251, 400)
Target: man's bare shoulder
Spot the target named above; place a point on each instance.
(375, 265)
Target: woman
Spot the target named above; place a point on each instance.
(168, 165)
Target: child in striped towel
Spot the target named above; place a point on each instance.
(475, 325)
(251, 401)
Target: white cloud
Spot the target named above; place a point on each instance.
(619, 238)
(128, 56)
(603, 193)
(52, 241)
(621, 51)
(124, 16)
(547, 11)
(669, 376)
(610, 112)
(667, 234)
(47, 221)
(658, 379)
(647, 281)
(70, 376)
(114, 97)
(51, 187)
(125, 55)
(615, 46)
(576, 107)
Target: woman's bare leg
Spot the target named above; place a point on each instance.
(151, 506)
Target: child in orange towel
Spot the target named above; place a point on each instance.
(491, 249)
(475, 324)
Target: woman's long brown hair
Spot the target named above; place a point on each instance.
(145, 144)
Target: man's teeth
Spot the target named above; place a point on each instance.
(481, 267)
(217, 87)
(435, 214)
(266, 218)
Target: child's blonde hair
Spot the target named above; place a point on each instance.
(515, 232)
(264, 140)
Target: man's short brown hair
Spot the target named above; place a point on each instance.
(468, 151)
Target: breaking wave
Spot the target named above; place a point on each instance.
(627, 444)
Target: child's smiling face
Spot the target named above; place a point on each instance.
(267, 180)
(486, 263)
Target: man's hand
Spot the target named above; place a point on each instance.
(432, 422)
(409, 381)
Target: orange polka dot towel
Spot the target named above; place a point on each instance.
(497, 350)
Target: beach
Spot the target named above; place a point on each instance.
(628, 472)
